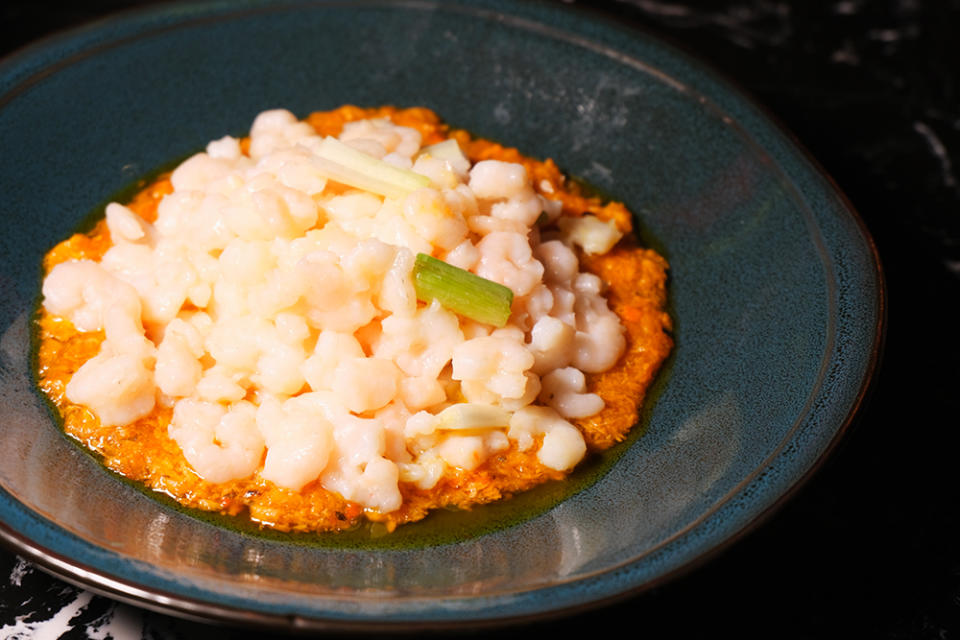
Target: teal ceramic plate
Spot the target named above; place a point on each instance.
(775, 289)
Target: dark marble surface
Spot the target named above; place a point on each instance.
(871, 546)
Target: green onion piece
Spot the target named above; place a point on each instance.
(468, 415)
(448, 150)
(342, 163)
(461, 291)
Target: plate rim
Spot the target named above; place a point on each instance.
(186, 606)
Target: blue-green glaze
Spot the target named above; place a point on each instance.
(775, 287)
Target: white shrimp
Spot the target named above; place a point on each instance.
(563, 445)
(559, 262)
(117, 386)
(93, 299)
(599, 341)
(366, 384)
(126, 226)
(551, 343)
(434, 220)
(421, 344)
(277, 129)
(493, 369)
(178, 368)
(566, 391)
(299, 441)
(389, 138)
(506, 257)
(495, 179)
(359, 471)
(220, 444)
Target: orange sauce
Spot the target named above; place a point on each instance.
(144, 452)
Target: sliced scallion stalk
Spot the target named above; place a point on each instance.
(468, 415)
(342, 163)
(461, 291)
(448, 150)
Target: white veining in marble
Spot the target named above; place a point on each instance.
(939, 152)
(116, 622)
